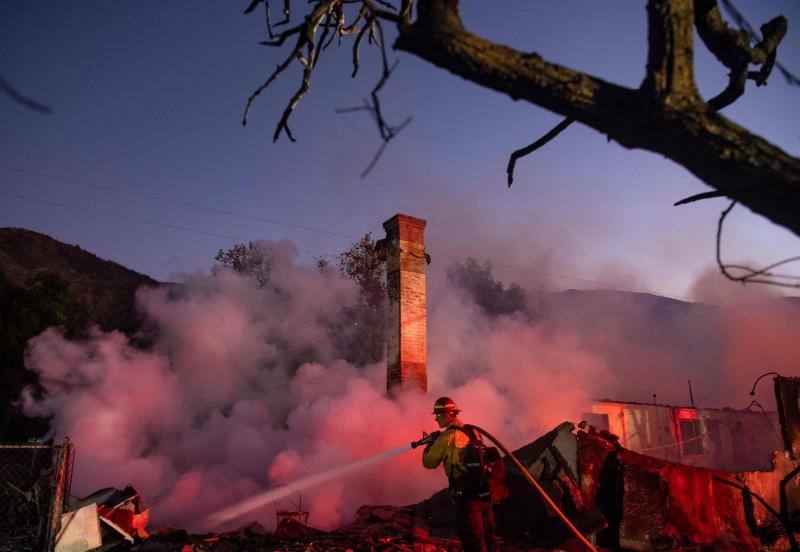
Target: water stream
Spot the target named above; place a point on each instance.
(232, 512)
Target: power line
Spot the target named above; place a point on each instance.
(173, 201)
(146, 221)
(272, 221)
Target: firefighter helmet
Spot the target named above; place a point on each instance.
(445, 404)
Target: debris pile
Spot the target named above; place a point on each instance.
(618, 498)
(106, 518)
(377, 528)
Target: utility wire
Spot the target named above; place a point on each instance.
(145, 221)
(173, 201)
(287, 224)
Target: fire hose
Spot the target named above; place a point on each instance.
(430, 438)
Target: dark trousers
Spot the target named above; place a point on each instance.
(475, 522)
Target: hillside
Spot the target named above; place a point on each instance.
(640, 344)
(44, 283)
(106, 289)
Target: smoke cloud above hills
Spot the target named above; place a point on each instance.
(244, 388)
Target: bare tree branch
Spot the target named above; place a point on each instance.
(751, 275)
(405, 12)
(281, 67)
(732, 49)
(306, 39)
(287, 11)
(665, 115)
(279, 39)
(283, 124)
(745, 26)
(253, 5)
(670, 61)
(329, 15)
(357, 44)
(737, 163)
(522, 152)
(23, 100)
(387, 132)
(353, 27)
(698, 197)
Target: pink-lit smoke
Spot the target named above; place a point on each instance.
(245, 388)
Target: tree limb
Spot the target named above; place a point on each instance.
(670, 59)
(23, 100)
(306, 39)
(752, 275)
(745, 26)
(732, 49)
(522, 152)
(697, 197)
(665, 115)
(737, 163)
(386, 131)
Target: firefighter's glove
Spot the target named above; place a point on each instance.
(427, 439)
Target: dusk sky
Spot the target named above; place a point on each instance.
(147, 97)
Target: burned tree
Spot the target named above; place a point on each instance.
(665, 115)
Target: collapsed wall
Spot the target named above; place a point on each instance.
(626, 500)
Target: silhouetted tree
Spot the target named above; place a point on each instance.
(492, 296)
(253, 259)
(43, 302)
(362, 264)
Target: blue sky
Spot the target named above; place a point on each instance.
(148, 97)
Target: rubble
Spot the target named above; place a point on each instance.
(80, 530)
(618, 498)
(105, 519)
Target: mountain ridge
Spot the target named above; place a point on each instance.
(105, 288)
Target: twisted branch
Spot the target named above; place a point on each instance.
(732, 49)
(328, 17)
(790, 77)
(530, 148)
(665, 115)
(763, 275)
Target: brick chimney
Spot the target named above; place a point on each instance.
(406, 335)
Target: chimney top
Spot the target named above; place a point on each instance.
(405, 227)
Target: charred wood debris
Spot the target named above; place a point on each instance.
(618, 498)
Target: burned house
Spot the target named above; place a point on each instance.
(723, 439)
(627, 500)
(637, 476)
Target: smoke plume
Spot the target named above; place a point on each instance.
(246, 387)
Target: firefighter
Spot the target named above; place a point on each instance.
(474, 515)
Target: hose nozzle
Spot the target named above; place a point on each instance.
(427, 439)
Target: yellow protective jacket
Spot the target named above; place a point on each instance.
(447, 449)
